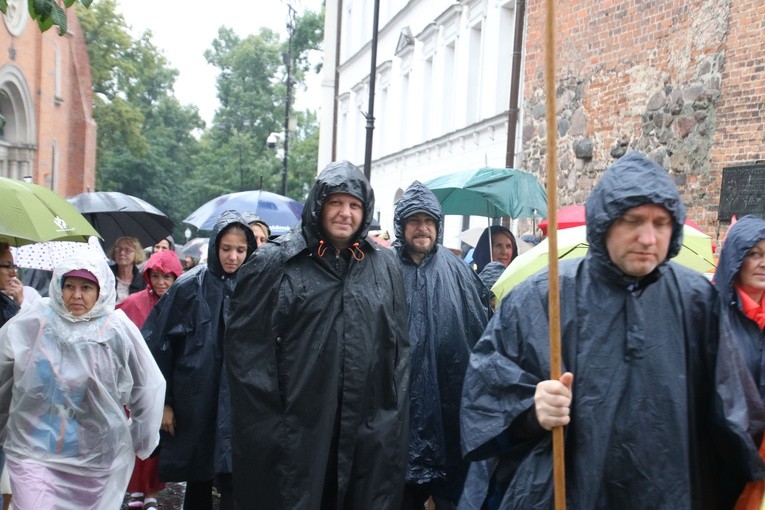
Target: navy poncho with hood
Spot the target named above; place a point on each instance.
(741, 237)
(185, 334)
(318, 358)
(447, 314)
(662, 406)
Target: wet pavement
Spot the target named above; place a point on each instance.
(171, 498)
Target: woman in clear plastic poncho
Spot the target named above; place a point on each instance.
(69, 366)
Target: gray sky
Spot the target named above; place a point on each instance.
(183, 33)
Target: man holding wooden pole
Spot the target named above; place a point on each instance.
(657, 405)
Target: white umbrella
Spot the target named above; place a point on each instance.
(471, 235)
(47, 255)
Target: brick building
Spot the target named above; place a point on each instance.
(681, 80)
(46, 104)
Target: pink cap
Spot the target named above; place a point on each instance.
(82, 273)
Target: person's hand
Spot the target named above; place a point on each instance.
(552, 401)
(15, 290)
(168, 420)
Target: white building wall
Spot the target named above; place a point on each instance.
(441, 104)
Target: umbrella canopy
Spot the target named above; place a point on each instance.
(115, 214)
(471, 235)
(49, 254)
(196, 247)
(281, 213)
(32, 213)
(696, 253)
(491, 192)
(568, 216)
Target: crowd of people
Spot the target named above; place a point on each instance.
(321, 370)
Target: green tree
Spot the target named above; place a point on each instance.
(252, 94)
(48, 12)
(145, 143)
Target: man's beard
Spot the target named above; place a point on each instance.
(412, 248)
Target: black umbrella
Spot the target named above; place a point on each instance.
(114, 214)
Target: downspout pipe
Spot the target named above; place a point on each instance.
(515, 83)
(335, 108)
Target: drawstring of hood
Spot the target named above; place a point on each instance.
(322, 249)
(356, 251)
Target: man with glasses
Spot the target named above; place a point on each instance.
(447, 314)
(11, 289)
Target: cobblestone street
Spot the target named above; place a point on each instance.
(171, 498)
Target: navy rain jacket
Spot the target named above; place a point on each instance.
(185, 334)
(662, 408)
(447, 314)
(318, 358)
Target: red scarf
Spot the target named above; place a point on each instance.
(752, 309)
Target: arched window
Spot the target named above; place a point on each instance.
(17, 136)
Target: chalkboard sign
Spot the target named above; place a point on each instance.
(743, 191)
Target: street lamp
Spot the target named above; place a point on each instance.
(271, 141)
(288, 62)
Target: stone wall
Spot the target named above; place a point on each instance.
(677, 80)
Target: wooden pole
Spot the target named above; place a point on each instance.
(559, 474)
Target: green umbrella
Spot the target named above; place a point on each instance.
(30, 213)
(491, 192)
(696, 253)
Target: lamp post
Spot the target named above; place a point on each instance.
(288, 64)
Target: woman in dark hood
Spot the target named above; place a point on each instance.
(496, 243)
(740, 279)
(185, 334)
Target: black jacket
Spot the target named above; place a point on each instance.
(662, 406)
(447, 314)
(741, 237)
(138, 283)
(8, 308)
(185, 334)
(318, 358)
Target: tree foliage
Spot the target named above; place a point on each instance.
(252, 92)
(152, 147)
(48, 13)
(145, 142)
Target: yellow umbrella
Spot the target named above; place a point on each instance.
(696, 253)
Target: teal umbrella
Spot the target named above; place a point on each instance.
(30, 213)
(491, 192)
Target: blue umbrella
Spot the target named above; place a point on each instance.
(281, 213)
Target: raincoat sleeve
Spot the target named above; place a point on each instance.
(145, 400)
(505, 366)
(168, 326)
(6, 378)
(10, 330)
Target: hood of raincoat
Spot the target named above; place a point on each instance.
(741, 237)
(106, 296)
(632, 181)
(166, 261)
(491, 273)
(417, 199)
(339, 177)
(226, 219)
(482, 252)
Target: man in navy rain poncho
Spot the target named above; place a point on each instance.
(447, 314)
(657, 403)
